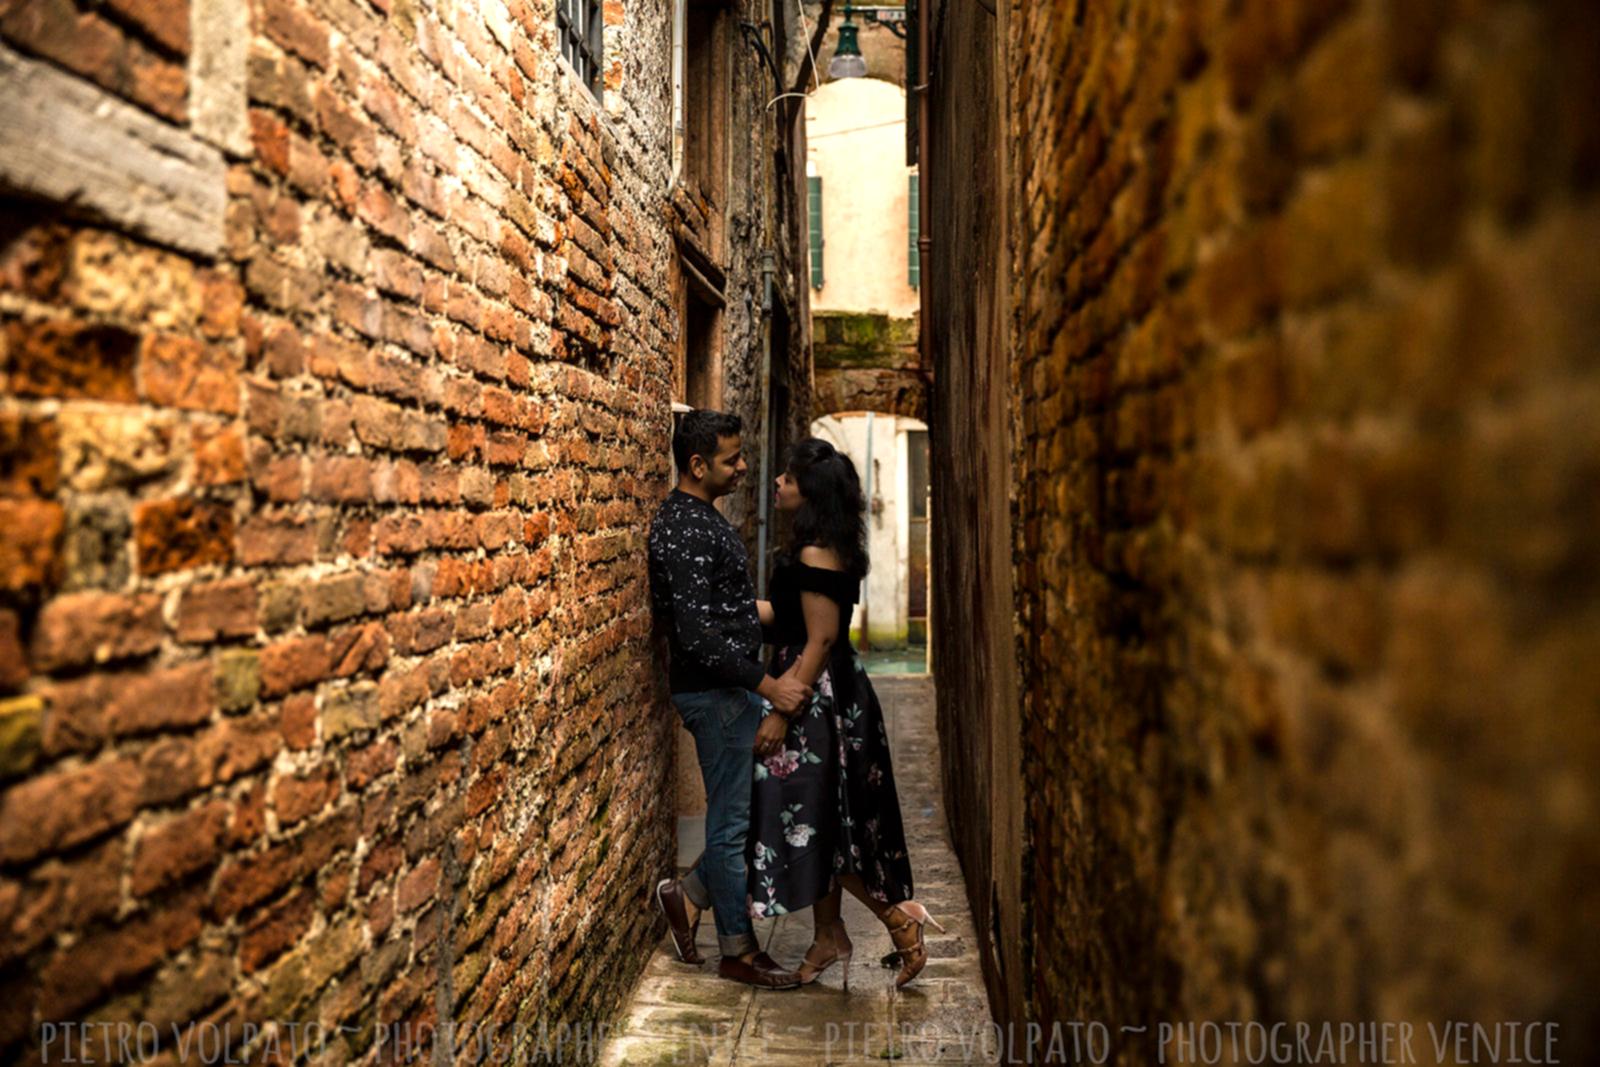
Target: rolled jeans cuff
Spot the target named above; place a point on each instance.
(737, 944)
(695, 890)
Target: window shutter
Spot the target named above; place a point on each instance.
(914, 228)
(814, 211)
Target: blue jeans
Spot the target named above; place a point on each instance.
(723, 723)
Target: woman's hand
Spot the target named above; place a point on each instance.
(770, 734)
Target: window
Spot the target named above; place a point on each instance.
(914, 228)
(701, 297)
(581, 24)
(814, 213)
(704, 112)
(700, 352)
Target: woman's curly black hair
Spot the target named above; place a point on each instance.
(833, 510)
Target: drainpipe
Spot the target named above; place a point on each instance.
(924, 247)
(680, 45)
(764, 493)
(866, 608)
(924, 186)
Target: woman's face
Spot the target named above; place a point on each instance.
(788, 496)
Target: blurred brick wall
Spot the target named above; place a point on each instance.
(1307, 412)
(327, 690)
(965, 340)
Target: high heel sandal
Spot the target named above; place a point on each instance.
(809, 972)
(915, 956)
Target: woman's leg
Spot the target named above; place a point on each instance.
(829, 939)
(907, 938)
(858, 889)
(825, 919)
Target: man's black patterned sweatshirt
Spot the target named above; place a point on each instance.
(703, 597)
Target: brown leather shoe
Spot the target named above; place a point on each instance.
(762, 972)
(669, 897)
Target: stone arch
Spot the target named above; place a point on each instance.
(888, 391)
(868, 361)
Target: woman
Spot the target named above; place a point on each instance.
(823, 810)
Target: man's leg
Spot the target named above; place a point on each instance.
(711, 882)
(728, 784)
(693, 884)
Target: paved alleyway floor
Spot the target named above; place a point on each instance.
(683, 1014)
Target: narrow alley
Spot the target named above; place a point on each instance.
(681, 1013)
(1209, 401)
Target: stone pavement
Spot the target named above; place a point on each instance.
(687, 1015)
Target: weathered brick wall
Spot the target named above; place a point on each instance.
(327, 682)
(1310, 556)
(1306, 311)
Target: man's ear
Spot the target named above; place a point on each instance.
(698, 472)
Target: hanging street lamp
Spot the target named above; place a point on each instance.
(847, 61)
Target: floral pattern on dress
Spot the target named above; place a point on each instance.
(813, 819)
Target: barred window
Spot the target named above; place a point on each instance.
(581, 24)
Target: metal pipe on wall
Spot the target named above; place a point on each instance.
(866, 641)
(764, 490)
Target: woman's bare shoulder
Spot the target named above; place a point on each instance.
(821, 556)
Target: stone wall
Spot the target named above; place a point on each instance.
(868, 362)
(1307, 425)
(337, 344)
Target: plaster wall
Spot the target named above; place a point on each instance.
(855, 136)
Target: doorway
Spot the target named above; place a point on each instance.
(890, 453)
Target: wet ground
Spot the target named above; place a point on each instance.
(910, 660)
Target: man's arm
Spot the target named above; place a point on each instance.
(687, 570)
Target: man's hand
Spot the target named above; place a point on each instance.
(770, 735)
(787, 693)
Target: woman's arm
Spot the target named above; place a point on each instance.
(764, 609)
(821, 615)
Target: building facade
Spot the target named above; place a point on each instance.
(1264, 436)
(864, 269)
(870, 387)
(340, 343)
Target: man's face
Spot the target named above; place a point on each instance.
(723, 470)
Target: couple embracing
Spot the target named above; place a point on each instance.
(800, 796)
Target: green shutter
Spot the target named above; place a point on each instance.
(914, 228)
(814, 211)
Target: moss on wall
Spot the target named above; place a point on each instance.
(863, 339)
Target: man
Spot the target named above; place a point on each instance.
(703, 597)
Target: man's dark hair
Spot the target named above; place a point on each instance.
(697, 435)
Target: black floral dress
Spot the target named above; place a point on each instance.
(826, 805)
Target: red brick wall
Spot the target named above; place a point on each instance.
(1305, 405)
(327, 686)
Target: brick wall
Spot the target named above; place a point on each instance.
(1305, 408)
(965, 281)
(333, 415)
